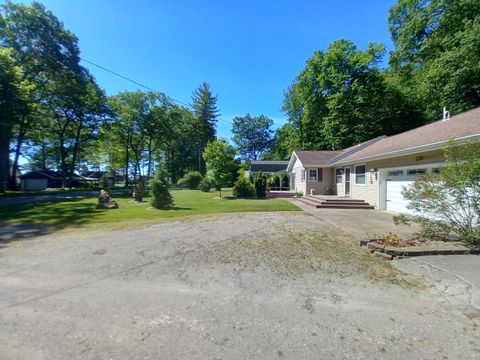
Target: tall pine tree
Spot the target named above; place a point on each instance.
(205, 109)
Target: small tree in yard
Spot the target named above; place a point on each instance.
(243, 186)
(160, 190)
(449, 202)
(219, 156)
(261, 185)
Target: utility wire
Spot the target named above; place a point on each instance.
(142, 85)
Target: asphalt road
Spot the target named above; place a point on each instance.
(238, 286)
(462, 270)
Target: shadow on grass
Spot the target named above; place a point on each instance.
(31, 220)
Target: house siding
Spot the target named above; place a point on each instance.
(370, 190)
(300, 186)
(320, 187)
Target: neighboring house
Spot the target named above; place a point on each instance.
(37, 180)
(377, 170)
(98, 175)
(41, 180)
(267, 166)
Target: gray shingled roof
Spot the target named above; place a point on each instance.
(268, 165)
(460, 126)
(315, 158)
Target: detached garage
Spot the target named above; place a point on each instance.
(36, 180)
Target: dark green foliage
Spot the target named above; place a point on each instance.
(191, 180)
(252, 135)
(160, 192)
(449, 202)
(342, 98)
(437, 52)
(205, 111)
(243, 186)
(261, 185)
(285, 181)
(205, 185)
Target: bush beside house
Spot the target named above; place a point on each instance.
(449, 202)
(261, 185)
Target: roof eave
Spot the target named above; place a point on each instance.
(409, 151)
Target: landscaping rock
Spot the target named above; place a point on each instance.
(382, 255)
(105, 201)
(365, 242)
(375, 246)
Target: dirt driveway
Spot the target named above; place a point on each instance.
(249, 286)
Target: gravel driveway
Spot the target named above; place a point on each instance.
(238, 286)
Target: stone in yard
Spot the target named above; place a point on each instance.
(105, 201)
(382, 255)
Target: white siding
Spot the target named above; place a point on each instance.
(300, 186)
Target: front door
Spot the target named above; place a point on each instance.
(347, 181)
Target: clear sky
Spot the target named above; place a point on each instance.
(249, 51)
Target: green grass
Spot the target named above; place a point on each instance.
(82, 212)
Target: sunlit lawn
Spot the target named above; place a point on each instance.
(74, 213)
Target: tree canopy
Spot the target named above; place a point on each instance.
(252, 135)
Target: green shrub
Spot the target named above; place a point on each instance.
(205, 185)
(191, 180)
(261, 185)
(160, 190)
(243, 187)
(448, 202)
(285, 181)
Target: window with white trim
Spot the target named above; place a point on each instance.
(360, 178)
(303, 175)
(395, 173)
(411, 172)
(338, 176)
(312, 175)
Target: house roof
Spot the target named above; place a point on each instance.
(41, 175)
(315, 158)
(268, 165)
(428, 137)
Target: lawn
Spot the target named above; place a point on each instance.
(79, 212)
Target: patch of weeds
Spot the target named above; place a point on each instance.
(291, 252)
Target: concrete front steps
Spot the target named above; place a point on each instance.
(334, 202)
(281, 194)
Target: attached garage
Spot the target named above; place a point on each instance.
(399, 179)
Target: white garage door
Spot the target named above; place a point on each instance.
(395, 200)
(397, 180)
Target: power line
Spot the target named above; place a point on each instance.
(142, 85)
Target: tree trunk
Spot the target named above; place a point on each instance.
(4, 162)
(18, 147)
(63, 162)
(76, 147)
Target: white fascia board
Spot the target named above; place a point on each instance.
(292, 161)
(410, 151)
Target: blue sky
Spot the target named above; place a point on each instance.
(249, 51)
